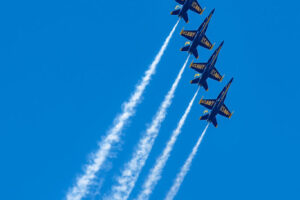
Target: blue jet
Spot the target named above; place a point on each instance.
(187, 5)
(198, 37)
(207, 70)
(216, 106)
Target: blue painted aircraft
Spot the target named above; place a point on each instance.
(208, 70)
(216, 106)
(187, 5)
(198, 37)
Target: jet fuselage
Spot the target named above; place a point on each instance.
(185, 7)
(196, 40)
(200, 33)
(210, 65)
(215, 109)
(219, 102)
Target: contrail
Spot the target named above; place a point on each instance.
(155, 173)
(126, 182)
(184, 170)
(83, 182)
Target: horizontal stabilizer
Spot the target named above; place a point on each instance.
(186, 48)
(195, 81)
(175, 12)
(204, 117)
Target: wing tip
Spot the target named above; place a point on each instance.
(191, 64)
(201, 100)
(231, 115)
(222, 78)
(181, 32)
(202, 10)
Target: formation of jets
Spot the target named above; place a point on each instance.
(204, 70)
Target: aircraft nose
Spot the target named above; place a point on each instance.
(212, 12)
(221, 45)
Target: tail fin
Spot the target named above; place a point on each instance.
(214, 121)
(195, 53)
(204, 84)
(175, 12)
(204, 117)
(185, 17)
(186, 48)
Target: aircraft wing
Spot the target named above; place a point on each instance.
(190, 35)
(199, 67)
(196, 7)
(180, 1)
(206, 43)
(208, 103)
(224, 111)
(214, 74)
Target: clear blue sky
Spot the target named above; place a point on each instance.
(66, 67)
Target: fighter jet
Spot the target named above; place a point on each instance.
(187, 5)
(198, 37)
(216, 106)
(207, 70)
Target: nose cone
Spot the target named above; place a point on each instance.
(210, 15)
(221, 44)
(230, 82)
(218, 49)
(227, 86)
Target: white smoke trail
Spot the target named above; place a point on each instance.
(80, 189)
(126, 181)
(184, 170)
(155, 173)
